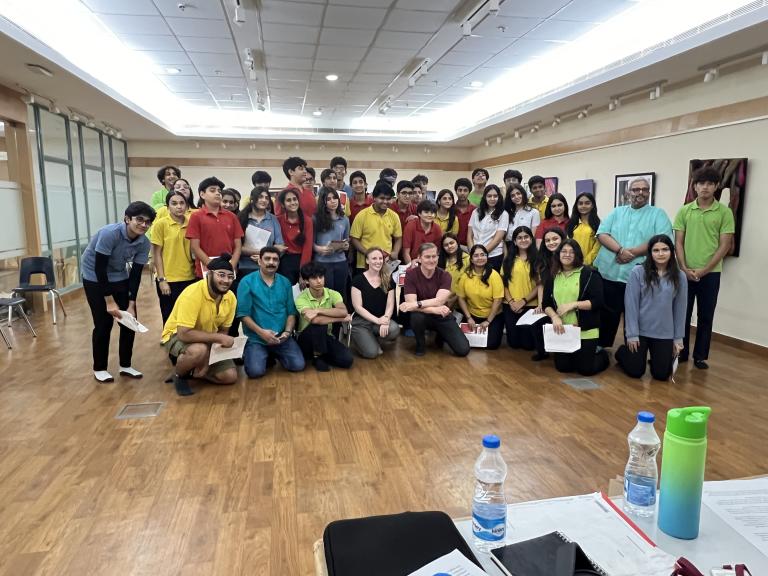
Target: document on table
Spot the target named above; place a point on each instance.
(530, 317)
(570, 341)
(129, 321)
(453, 563)
(219, 353)
(743, 505)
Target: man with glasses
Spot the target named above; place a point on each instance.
(109, 286)
(200, 318)
(624, 236)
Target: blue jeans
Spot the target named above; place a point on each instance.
(255, 357)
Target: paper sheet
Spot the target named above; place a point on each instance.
(530, 317)
(453, 563)
(570, 341)
(219, 353)
(256, 238)
(743, 505)
(129, 321)
(476, 339)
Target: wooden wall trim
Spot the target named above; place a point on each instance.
(11, 105)
(155, 162)
(746, 111)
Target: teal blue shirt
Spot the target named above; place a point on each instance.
(268, 306)
(629, 227)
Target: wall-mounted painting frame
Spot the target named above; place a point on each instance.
(621, 187)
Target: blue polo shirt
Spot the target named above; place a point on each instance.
(268, 306)
(112, 240)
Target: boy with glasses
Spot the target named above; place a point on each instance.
(110, 288)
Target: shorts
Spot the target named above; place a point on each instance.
(175, 347)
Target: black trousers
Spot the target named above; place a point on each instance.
(446, 328)
(519, 336)
(613, 308)
(662, 355)
(314, 340)
(495, 330)
(103, 322)
(167, 302)
(586, 361)
(704, 293)
(290, 264)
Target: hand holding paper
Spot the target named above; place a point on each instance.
(568, 341)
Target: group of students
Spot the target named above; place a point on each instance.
(488, 256)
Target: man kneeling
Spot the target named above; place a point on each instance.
(319, 307)
(201, 317)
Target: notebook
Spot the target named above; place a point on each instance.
(549, 555)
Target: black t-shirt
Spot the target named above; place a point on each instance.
(374, 299)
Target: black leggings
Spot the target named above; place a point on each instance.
(103, 322)
(586, 361)
(446, 328)
(519, 336)
(662, 355)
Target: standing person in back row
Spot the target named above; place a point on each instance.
(295, 169)
(537, 186)
(480, 178)
(377, 226)
(464, 208)
(167, 176)
(704, 232)
(624, 236)
(339, 166)
(110, 288)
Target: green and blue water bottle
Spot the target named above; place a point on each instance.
(683, 458)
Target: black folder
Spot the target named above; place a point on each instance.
(549, 555)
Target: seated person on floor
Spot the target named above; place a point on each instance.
(319, 307)
(201, 317)
(427, 289)
(265, 306)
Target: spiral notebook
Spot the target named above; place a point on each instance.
(550, 555)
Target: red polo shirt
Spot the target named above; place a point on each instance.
(291, 231)
(548, 224)
(463, 218)
(355, 206)
(217, 232)
(307, 201)
(410, 210)
(414, 236)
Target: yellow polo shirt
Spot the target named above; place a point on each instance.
(374, 229)
(177, 254)
(587, 240)
(196, 309)
(480, 297)
(541, 206)
(521, 284)
(443, 223)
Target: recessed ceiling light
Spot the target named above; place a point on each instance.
(332, 77)
(476, 84)
(173, 70)
(317, 112)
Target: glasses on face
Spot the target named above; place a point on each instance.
(141, 221)
(222, 275)
(640, 190)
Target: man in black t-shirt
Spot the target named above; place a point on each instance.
(427, 289)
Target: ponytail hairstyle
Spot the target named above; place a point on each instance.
(514, 252)
(651, 273)
(451, 210)
(300, 239)
(487, 270)
(592, 218)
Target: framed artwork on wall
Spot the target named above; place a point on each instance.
(621, 190)
(731, 192)
(585, 186)
(550, 184)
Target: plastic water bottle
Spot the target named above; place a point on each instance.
(489, 507)
(641, 474)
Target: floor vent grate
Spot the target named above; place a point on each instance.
(581, 383)
(143, 410)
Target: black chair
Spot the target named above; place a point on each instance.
(16, 302)
(39, 265)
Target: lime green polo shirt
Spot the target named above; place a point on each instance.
(305, 301)
(565, 291)
(702, 232)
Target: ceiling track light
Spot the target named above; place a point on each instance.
(556, 122)
(517, 134)
(535, 128)
(711, 75)
(239, 18)
(487, 142)
(764, 60)
(493, 7)
(466, 29)
(613, 104)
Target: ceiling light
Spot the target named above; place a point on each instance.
(534, 129)
(466, 29)
(279, 146)
(36, 68)
(252, 146)
(181, 6)
(91, 124)
(764, 61)
(173, 70)
(197, 145)
(318, 112)
(476, 84)
(426, 150)
(499, 139)
(297, 147)
(711, 75)
(583, 114)
(224, 145)
(517, 133)
(332, 77)
(613, 104)
(657, 91)
(239, 13)
(556, 121)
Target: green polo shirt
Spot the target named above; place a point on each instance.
(305, 301)
(565, 291)
(158, 198)
(703, 229)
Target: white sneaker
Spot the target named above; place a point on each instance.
(103, 376)
(130, 372)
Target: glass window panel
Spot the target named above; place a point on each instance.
(121, 191)
(118, 153)
(97, 210)
(59, 193)
(110, 188)
(54, 135)
(92, 147)
(82, 220)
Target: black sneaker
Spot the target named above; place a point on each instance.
(182, 386)
(320, 364)
(700, 364)
(419, 351)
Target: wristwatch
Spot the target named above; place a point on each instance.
(161, 279)
(418, 304)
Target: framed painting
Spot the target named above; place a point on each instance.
(622, 189)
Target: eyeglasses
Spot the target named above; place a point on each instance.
(643, 190)
(222, 275)
(142, 221)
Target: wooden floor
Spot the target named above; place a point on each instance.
(243, 479)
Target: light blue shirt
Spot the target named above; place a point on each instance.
(339, 231)
(629, 227)
(112, 240)
(268, 306)
(268, 223)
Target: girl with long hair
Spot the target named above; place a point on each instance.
(583, 226)
(453, 260)
(446, 212)
(480, 292)
(488, 225)
(373, 301)
(574, 296)
(520, 212)
(298, 232)
(230, 200)
(261, 229)
(555, 216)
(545, 264)
(521, 287)
(331, 241)
(654, 312)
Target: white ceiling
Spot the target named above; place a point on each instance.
(367, 43)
